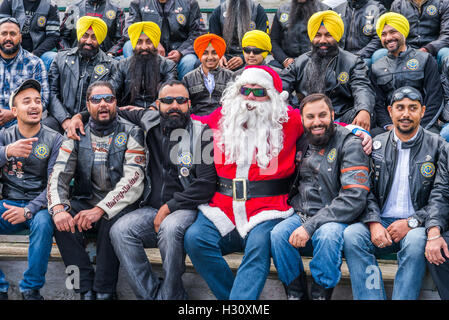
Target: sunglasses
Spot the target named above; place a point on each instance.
(170, 100)
(402, 95)
(255, 51)
(96, 98)
(9, 19)
(257, 92)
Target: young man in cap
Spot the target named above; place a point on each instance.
(28, 151)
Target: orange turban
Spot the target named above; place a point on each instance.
(202, 42)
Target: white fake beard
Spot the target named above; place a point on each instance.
(244, 132)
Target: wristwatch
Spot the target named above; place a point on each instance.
(412, 223)
(27, 213)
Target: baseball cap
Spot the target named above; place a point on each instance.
(406, 92)
(29, 83)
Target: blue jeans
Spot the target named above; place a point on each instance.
(366, 277)
(445, 132)
(442, 53)
(41, 234)
(47, 58)
(134, 232)
(326, 245)
(206, 247)
(185, 65)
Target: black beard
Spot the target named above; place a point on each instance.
(320, 140)
(144, 72)
(169, 123)
(87, 54)
(11, 50)
(410, 130)
(316, 69)
(330, 52)
(301, 11)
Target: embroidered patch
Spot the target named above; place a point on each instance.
(343, 77)
(41, 21)
(283, 18)
(377, 144)
(431, 10)
(377, 156)
(332, 155)
(252, 25)
(185, 159)
(100, 69)
(41, 151)
(412, 64)
(110, 14)
(181, 19)
(361, 177)
(139, 159)
(368, 29)
(120, 139)
(298, 156)
(427, 169)
(184, 171)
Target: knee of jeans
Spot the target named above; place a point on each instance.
(278, 235)
(119, 229)
(42, 222)
(192, 239)
(171, 231)
(414, 242)
(330, 231)
(355, 234)
(188, 60)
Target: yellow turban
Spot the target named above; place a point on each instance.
(330, 19)
(98, 26)
(395, 20)
(149, 28)
(258, 39)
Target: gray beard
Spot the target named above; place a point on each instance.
(237, 20)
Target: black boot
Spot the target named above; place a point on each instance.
(318, 292)
(32, 294)
(88, 295)
(3, 295)
(106, 296)
(297, 289)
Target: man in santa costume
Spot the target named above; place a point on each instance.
(255, 134)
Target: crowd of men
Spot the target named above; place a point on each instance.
(322, 134)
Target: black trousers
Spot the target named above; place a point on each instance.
(72, 248)
(440, 274)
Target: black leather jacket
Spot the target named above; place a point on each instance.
(66, 85)
(112, 15)
(203, 102)
(184, 18)
(411, 68)
(425, 152)
(336, 188)
(360, 19)
(122, 82)
(429, 25)
(347, 83)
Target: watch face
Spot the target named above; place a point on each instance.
(412, 223)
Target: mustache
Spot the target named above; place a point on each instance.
(7, 41)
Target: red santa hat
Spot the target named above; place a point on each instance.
(263, 76)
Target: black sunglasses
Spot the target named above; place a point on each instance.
(170, 100)
(96, 98)
(255, 51)
(402, 95)
(257, 92)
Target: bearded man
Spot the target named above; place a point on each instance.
(327, 69)
(255, 134)
(231, 20)
(289, 30)
(138, 77)
(74, 70)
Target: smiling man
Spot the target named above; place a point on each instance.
(28, 152)
(404, 163)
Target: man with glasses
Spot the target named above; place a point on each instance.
(404, 163)
(327, 69)
(16, 66)
(108, 167)
(74, 70)
(180, 176)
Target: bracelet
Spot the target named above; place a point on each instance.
(433, 238)
(53, 213)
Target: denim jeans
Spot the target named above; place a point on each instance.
(41, 238)
(185, 65)
(134, 232)
(366, 277)
(326, 245)
(47, 58)
(206, 247)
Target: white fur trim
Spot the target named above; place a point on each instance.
(218, 218)
(284, 95)
(261, 217)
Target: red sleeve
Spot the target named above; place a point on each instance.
(295, 118)
(211, 119)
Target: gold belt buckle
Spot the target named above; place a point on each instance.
(234, 196)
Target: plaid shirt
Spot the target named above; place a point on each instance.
(24, 66)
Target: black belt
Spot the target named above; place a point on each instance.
(242, 189)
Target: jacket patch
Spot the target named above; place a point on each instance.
(412, 64)
(41, 151)
(377, 156)
(283, 18)
(427, 169)
(120, 139)
(431, 10)
(110, 14)
(185, 160)
(41, 21)
(377, 144)
(100, 69)
(332, 155)
(181, 18)
(252, 25)
(343, 77)
(368, 29)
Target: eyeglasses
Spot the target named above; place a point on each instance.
(257, 92)
(170, 100)
(255, 51)
(96, 98)
(408, 94)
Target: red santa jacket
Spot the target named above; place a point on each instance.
(227, 214)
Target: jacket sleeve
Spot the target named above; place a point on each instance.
(289, 77)
(63, 172)
(118, 39)
(380, 107)
(67, 35)
(40, 74)
(169, 70)
(117, 80)
(275, 35)
(361, 87)
(133, 15)
(56, 107)
(445, 86)
(196, 28)
(262, 22)
(374, 44)
(214, 22)
(202, 189)
(130, 187)
(443, 40)
(433, 93)
(355, 186)
(51, 33)
(437, 208)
